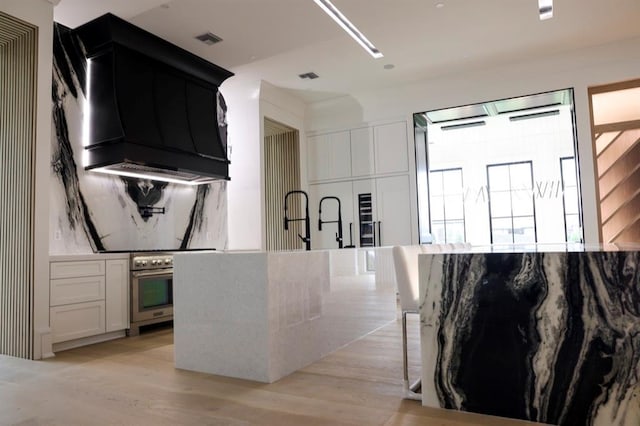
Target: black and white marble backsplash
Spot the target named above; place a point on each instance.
(90, 211)
(548, 337)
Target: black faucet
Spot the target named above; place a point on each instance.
(339, 221)
(307, 224)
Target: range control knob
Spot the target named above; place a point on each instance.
(154, 262)
(167, 261)
(138, 263)
(144, 263)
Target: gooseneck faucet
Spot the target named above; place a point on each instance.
(339, 221)
(307, 223)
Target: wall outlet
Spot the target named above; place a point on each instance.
(57, 235)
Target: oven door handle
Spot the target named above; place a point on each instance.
(138, 274)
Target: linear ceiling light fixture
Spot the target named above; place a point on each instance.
(351, 29)
(545, 7)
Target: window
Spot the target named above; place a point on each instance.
(570, 201)
(511, 203)
(447, 206)
(499, 147)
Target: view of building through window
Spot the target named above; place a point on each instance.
(500, 172)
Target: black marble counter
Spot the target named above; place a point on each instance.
(552, 337)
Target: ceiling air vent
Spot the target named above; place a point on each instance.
(310, 75)
(209, 38)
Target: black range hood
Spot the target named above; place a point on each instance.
(155, 109)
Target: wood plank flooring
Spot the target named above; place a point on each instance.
(132, 381)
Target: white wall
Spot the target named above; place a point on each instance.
(248, 103)
(244, 140)
(40, 13)
(578, 69)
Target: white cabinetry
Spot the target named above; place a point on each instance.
(88, 298)
(329, 156)
(367, 168)
(69, 322)
(388, 218)
(117, 295)
(326, 239)
(391, 154)
(392, 207)
(360, 152)
(362, 161)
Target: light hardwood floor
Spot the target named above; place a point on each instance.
(133, 381)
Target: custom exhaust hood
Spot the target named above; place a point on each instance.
(154, 109)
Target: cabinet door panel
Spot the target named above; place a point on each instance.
(391, 154)
(317, 162)
(362, 161)
(76, 290)
(78, 320)
(83, 268)
(117, 295)
(327, 237)
(340, 156)
(329, 156)
(393, 205)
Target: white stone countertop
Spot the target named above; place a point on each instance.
(88, 256)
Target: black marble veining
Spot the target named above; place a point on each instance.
(83, 223)
(548, 337)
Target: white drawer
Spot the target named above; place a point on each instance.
(77, 269)
(75, 290)
(75, 321)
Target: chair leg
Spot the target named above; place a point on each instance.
(409, 390)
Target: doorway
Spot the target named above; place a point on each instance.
(499, 172)
(615, 129)
(282, 174)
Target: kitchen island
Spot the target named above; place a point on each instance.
(552, 337)
(263, 315)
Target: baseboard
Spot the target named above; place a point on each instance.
(71, 344)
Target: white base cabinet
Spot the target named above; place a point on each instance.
(88, 298)
(117, 295)
(77, 320)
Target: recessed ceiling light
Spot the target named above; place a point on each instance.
(545, 7)
(351, 29)
(439, 5)
(389, 66)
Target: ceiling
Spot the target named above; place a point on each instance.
(276, 40)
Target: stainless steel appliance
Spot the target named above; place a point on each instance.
(151, 289)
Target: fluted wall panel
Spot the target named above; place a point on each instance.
(282, 174)
(18, 69)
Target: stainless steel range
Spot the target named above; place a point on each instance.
(151, 289)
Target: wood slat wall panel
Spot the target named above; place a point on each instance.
(282, 174)
(621, 194)
(618, 149)
(624, 166)
(18, 73)
(622, 219)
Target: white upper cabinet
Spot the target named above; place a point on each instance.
(391, 154)
(362, 161)
(357, 153)
(329, 156)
